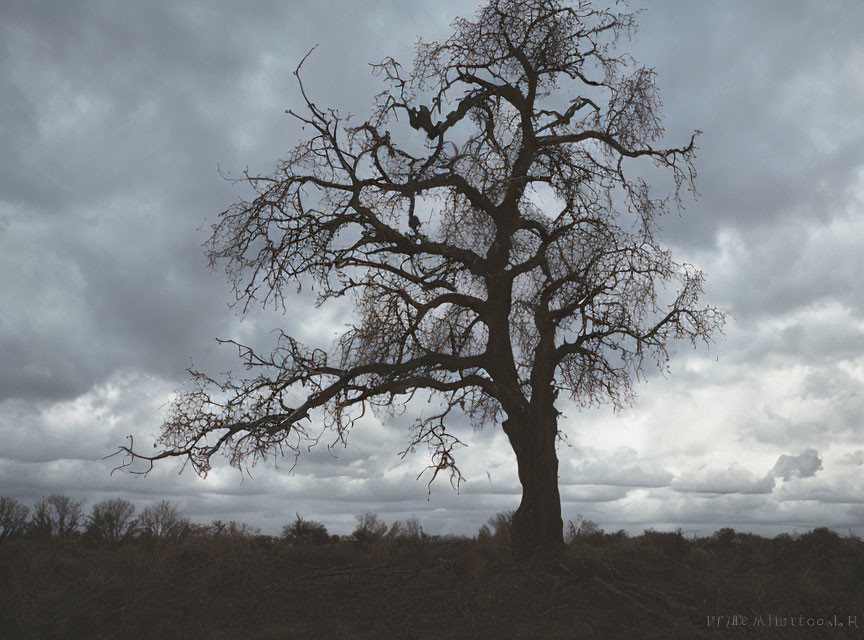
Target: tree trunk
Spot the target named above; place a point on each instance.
(537, 527)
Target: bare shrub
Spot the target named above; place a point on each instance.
(581, 528)
(500, 524)
(232, 529)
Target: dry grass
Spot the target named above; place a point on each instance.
(658, 585)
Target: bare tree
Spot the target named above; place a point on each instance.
(233, 529)
(500, 249)
(112, 520)
(411, 529)
(162, 521)
(369, 528)
(13, 518)
(305, 531)
(57, 516)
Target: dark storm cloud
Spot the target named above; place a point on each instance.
(115, 117)
(782, 136)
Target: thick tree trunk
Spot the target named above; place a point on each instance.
(537, 527)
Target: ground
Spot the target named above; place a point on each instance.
(658, 585)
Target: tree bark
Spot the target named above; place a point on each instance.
(537, 527)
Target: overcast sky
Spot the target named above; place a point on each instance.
(116, 118)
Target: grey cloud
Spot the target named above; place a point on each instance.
(733, 479)
(771, 151)
(619, 469)
(770, 272)
(115, 120)
(854, 458)
(804, 465)
(856, 516)
(588, 493)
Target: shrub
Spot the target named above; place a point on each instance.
(582, 528)
(231, 529)
(821, 540)
(724, 537)
(668, 542)
(500, 525)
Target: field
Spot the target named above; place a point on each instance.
(657, 585)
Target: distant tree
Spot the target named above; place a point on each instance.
(233, 529)
(162, 522)
(413, 529)
(57, 516)
(305, 531)
(500, 250)
(112, 520)
(410, 529)
(13, 518)
(582, 528)
(369, 528)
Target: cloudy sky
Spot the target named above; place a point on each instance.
(117, 117)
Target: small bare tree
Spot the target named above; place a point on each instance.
(305, 531)
(411, 529)
(112, 520)
(162, 521)
(369, 528)
(13, 518)
(500, 249)
(57, 516)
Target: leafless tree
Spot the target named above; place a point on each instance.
(369, 528)
(112, 520)
(13, 518)
(162, 521)
(233, 529)
(305, 531)
(500, 248)
(57, 516)
(411, 529)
